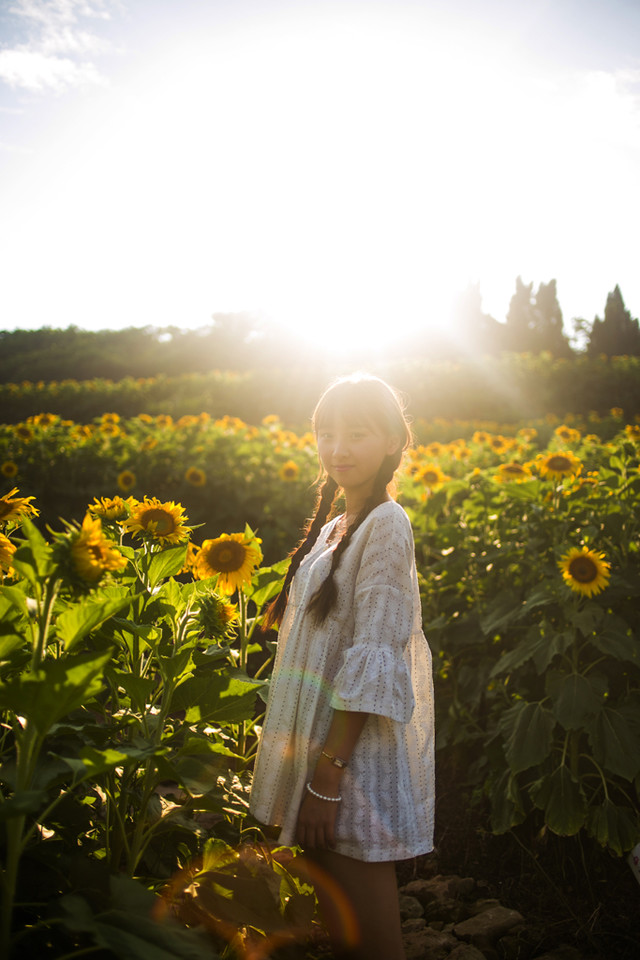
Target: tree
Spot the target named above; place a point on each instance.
(548, 322)
(618, 334)
(475, 330)
(534, 323)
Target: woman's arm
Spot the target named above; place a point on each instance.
(316, 819)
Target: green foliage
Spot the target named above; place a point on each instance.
(127, 726)
(537, 657)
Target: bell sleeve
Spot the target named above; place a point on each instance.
(374, 675)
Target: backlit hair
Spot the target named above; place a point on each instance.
(358, 400)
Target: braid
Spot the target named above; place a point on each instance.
(326, 498)
(325, 597)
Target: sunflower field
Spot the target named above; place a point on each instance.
(136, 558)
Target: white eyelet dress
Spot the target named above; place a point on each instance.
(370, 655)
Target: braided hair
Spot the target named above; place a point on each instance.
(359, 399)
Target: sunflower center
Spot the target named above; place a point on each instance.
(227, 556)
(430, 477)
(559, 463)
(583, 569)
(164, 522)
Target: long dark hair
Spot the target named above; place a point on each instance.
(358, 400)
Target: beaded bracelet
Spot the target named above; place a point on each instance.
(321, 796)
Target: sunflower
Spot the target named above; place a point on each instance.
(217, 616)
(432, 476)
(513, 471)
(45, 419)
(270, 420)
(528, 433)
(585, 571)
(632, 431)
(23, 431)
(127, 480)
(164, 420)
(433, 449)
(288, 471)
(196, 477)
(231, 556)
(555, 466)
(617, 412)
(7, 550)
(9, 469)
(109, 429)
(92, 554)
(110, 418)
(567, 434)
(480, 436)
(109, 508)
(165, 522)
(15, 508)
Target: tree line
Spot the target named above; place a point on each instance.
(241, 341)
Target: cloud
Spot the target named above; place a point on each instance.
(59, 51)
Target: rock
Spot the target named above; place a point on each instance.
(447, 911)
(466, 951)
(409, 907)
(462, 887)
(488, 925)
(426, 891)
(428, 944)
(413, 924)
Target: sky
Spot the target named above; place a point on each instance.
(347, 168)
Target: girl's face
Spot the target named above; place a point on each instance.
(352, 456)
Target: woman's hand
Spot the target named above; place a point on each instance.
(316, 822)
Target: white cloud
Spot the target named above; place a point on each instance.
(59, 52)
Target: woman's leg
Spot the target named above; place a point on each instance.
(359, 904)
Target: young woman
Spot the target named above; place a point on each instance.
(345, 765)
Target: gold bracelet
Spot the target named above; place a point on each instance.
(336, 761)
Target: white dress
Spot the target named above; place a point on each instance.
(370, 655)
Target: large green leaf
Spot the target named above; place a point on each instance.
(221, 697)
(541, 645)
(615, 827)
(12, 597)
(527, 729)
(506, 803)
(615, 744)
(575, 698)
(79, 620)
(166, 563)
(135, 926)
(503, 610)
(562, 798)
(22, 802)
(53, 691)
(616, 639)
(33, 558)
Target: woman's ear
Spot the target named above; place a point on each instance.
(393, 445)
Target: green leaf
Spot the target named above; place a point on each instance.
(616, 639)
(528, 730)
(217, 854)
(15, 597)
(615, 827)
(267, 583)
(79, 620)
(506, 803)
(575, 697)
(23, 802)
(504, 609)
(57, 688)
(33, 558)
(220, 697)
(614, 743)
(139, 689)
(562, 798)
(586, 618)
(167, 563)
